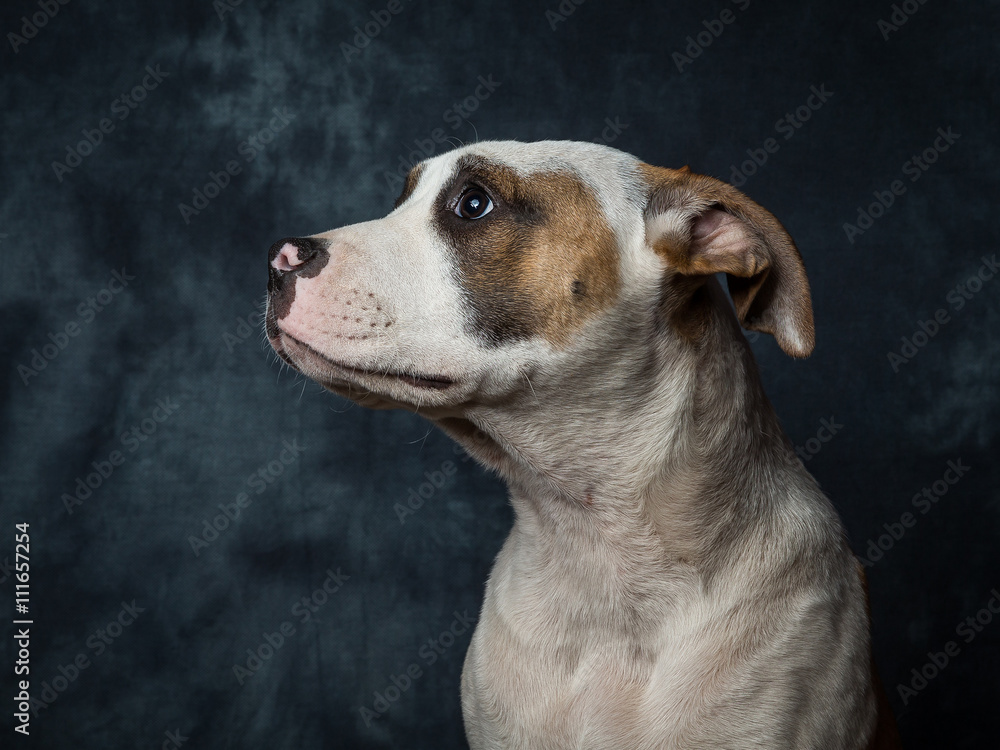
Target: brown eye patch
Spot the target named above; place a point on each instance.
(540, 263)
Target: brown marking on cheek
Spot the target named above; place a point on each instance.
(572, 268)
(541, 263)
(412, 178)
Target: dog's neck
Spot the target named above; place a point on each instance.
(666, 451)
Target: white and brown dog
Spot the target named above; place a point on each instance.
(675, 578)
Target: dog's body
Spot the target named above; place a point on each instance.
(674, 578)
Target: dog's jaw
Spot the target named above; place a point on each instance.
(326, 371)
(375, 389)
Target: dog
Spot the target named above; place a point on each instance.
(674, 578)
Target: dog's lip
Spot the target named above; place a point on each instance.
(436, 382)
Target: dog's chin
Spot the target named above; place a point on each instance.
(368, 387)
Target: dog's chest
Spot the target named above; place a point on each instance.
(559, 694)
(591, 692)
(536, 677)
(547, 668)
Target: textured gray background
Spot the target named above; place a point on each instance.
(174, 333)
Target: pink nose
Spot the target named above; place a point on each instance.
(292, 253)
(291, 257)
(287, 258)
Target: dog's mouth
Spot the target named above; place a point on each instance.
(330, 372)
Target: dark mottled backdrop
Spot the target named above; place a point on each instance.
(218, 557)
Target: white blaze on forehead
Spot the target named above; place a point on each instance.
(432, 176)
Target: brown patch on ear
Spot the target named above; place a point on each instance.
(541, 263)
(412, 178)
(704, 226)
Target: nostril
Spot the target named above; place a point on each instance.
(292, 253)
(287, 258)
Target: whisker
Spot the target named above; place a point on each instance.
(530, 386)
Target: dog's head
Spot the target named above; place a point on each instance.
(503, 260)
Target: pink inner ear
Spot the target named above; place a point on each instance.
(721, 242)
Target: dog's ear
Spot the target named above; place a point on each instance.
(702, 226)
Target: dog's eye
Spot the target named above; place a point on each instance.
(474, 204)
